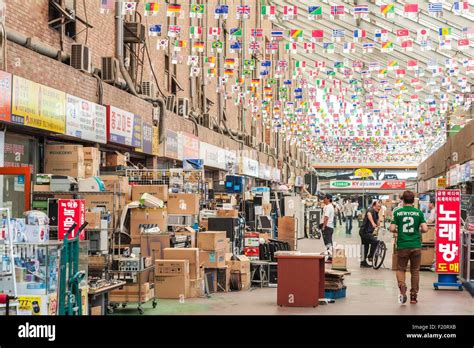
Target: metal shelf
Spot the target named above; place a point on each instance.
(74, 193)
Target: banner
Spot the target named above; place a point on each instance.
(147, 139)
(156, 141)
(86, 120)
(189, 146)
(30, 305)
(137, 133)
(71, 211)
(171, 144)
(249, 167)
(448, 230)
(38, 106)
(5, 96)
(368, 184)
(212, 155)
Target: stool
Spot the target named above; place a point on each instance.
(260, 271)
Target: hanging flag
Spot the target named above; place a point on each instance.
(211, 60)
(229, 72)
(195, 32)
(412, 64)
(407, 45)
(361, 11)
(235, 33)
(381, 35)
(317, 35)
(271, 47)
(106, 6)
(411, 10)
(445, 32)
(402, 33)
(368, 47)
(338, 34)
(268, 12)
(193, 60)
(174, 30)
(400, 72)
(338, 65)
(243, 11)
(392, 65)
(277, 34)
(319, 64)
(214, 31)
(221, 11)
(435, 9)
(348, 47)
(460, 7)
(256, 32)
(179, 44)
(154, 30)
(388, 10)
(337, 11)
(422, 34)
(212, 72)
(162, 44)
(315, 12)
(463, 44)
(230, 62)
(359, 35)
(290, 12)
(291, 47)
(195, 71)
(217, 46)
(328, 47)
(151, 8)
(468, 32)
(235, 46)
(173, 10)
(198, 46)
(129, 7)
(309, 47)
(296, 34)
(197, 11)
(254, 46)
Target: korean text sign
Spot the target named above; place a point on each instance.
(448, 230)
(71, 211)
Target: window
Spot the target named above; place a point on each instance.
(57, 14)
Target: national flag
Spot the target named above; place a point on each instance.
(468, 32)
(386, 46)
(214, 31)
(319, 64)
(243, 11)
(256, 32)
(195, 71)
(290, 12)
(268, 12)
(315, 12)
(373, 66)
(387, 10)
(197, 11)
(338, 65)
(328, 47)
(445, 32)
(412, 64)
(229, 72)
(411, 10)
(400, 72)
(221, 11)
(380, 35)
(266, 63)
(193, 60)
(338, 34)
(402, 32)
(435, 9)
(195, 32)
(348, 47)
(235, 33)
(173, 9)
(291, 47)
(459, 7)
(422, 34)
(277, 34)
(154, 30)
(296, 34)
(359, 35)
(392, 65)
(249, 63)
(368, 47)
(309, 47)
(235, 46)
(361, 10)
(254, 46)
(178, 44)
(317, 35)
(212, 72)
(217, 45)
(174, 30)
(407, 45)
(272, 46)
(282, 64)
(106, 6)
(230, 62)
(129, 7)
(162, 44)
(256, 82)
(337, 11)
(151, 8)
(300, 64)
(463, 44)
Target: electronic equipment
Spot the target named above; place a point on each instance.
(273, 275)
(129, 264)
(234, 184)
(180, 241)
(53, 211)
(234, 228)
(61, 183)
(313, 219)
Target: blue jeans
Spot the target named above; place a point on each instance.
(348, 224)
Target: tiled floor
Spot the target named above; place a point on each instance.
(368, 292)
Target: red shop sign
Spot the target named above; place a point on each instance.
(448, 230)
(71, 211)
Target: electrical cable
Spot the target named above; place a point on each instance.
(87, 27)
(3, 47)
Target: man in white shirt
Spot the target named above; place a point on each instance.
(348, 210)
(328, 221)
(432, 217)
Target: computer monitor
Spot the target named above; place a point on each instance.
(265, 222)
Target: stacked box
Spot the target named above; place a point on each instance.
(65, 160)
(240, 267)
(147, 218)
(115, 160)
(190, 254)
(158, 191)
(91, 161)
(183, 203)
(131, 293)
(252, 245)
(212, 245)
(339, 259)
(172, 279)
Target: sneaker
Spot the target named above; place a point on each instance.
(413, 299)
(402, 297)
(364, 264)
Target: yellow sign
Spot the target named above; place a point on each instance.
(156, 141)
(441, 183)
(29, 305)
(363, 173)
(38, 106)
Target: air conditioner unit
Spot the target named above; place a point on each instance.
(183, 107)
(109, 69)
(133, 32)
(170, 103)
(81, 58)
(149, 89)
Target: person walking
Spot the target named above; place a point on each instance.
(407, 224)
(366, 232)
(348, 210)
(328, 221)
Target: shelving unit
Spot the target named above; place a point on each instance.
(467, 255)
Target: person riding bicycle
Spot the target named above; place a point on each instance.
(366, 232)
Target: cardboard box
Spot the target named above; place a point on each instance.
(246, 283)
(152, 244)
(41, 188)
(91, 168)
(188, 231)
(143, 217)
(131, 293)
(427, 255)
(212, 259)
(115, 160)
(115, 183)
(191, 254)
(96, 310)
(228, 245)
(339, 262)
(64, 153)
(429, 237)
(105, 200)
(286, 228)
(241, 264)
(92, 153)
(171, 268)
(211, 240)
(176, 287)
(72, 169)
(158, 191)
(93, 219)
(228, 213)
(183, 204)
(196, 288)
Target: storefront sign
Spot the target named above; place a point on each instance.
(230, 159)
(368, 184)
(5, 96)
(38, 106)
(212, 155)
(249, 167)
(156, 141)
(265, 172)
(363, 173)
(189, 146)
(137, 134)
(440, 182)
(71, 211)
(453, 175)
(448, 231)
(86, 120)
(121, 126)
(30, 305)
(172, 144)
(147, 139)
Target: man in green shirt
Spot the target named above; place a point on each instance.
(408, 223)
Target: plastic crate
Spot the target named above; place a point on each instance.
(335, 294)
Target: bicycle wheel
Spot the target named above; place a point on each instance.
(379, 255)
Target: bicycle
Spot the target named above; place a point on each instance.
(380, 249)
